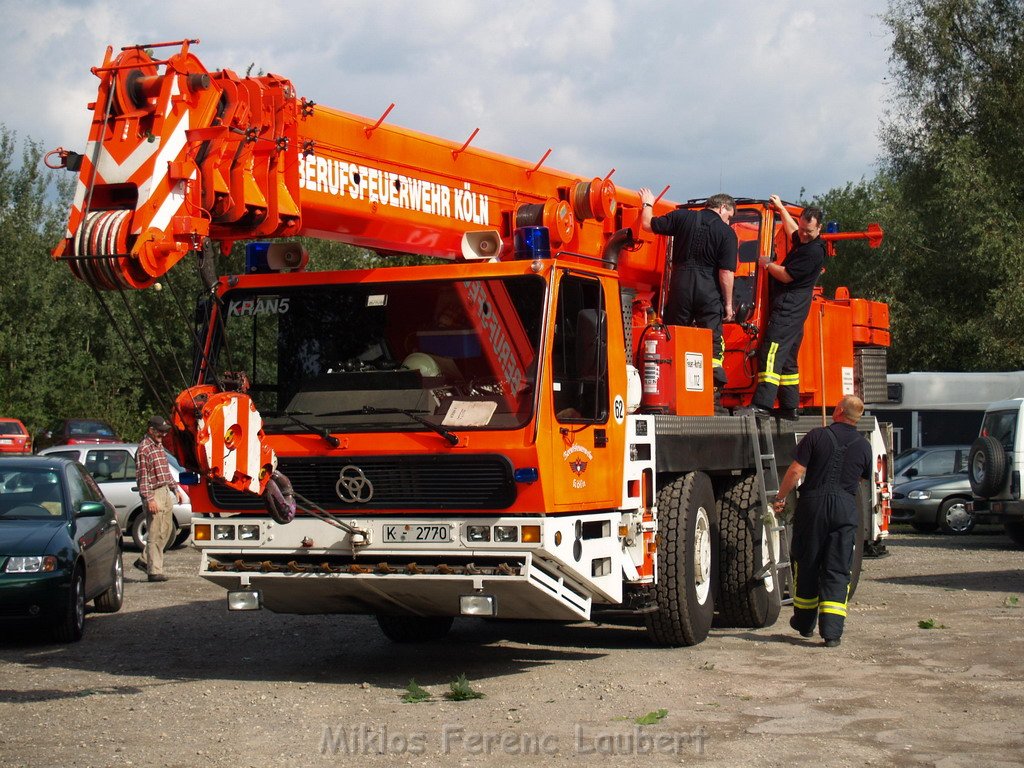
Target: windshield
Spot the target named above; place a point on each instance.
(906, 458)
(10, 428)
(30, 493)
(449, 354)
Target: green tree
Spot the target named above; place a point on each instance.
(952, 184)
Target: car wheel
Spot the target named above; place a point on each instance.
(954, 517)
(71, 622)
(180, 538)
(140, 527)
(112, 600)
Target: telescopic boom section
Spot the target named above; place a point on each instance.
(177, 154)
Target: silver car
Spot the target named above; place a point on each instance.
(112, 466)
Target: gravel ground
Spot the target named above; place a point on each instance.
(175, 680)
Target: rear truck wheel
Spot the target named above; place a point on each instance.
(1015, 530)
(70, 624)
(986, 466)
(112, 600)
(414, 629)
(864, 514)
(687, 544)
(954, 518)
(745, 598)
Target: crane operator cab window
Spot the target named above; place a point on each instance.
(579, 358)
(746, 223)
(410, 355)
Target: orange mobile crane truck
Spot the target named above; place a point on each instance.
(507, 432)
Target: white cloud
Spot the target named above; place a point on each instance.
(752, 98)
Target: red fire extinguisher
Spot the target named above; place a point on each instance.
(656, 368)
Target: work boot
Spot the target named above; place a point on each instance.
(832, 642)
(789, 414)
(808, 633)
(139, 564)
(157, 577)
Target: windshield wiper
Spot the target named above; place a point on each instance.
(368, 410)
(321, 431)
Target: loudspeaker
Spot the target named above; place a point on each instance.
(482, 244)
(282, 256)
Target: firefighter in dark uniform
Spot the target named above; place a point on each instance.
(831, 462)
(703, 267)
(791, 290)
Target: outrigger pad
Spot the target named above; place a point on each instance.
(279, 499)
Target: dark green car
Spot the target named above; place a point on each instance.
(60, 545)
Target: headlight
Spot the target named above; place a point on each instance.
(248, 532)
(918, 495)
(506, 533)
(478, 533)
(33, 564)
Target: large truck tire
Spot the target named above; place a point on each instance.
(414, 629)
(864, 515)
(986, 466)
(688, 524)
(744, 600)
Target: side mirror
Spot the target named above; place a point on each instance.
(912, 472)
(188, 478)
(91, 509)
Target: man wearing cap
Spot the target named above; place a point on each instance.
(158, 490)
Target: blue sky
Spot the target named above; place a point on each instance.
(749, 98)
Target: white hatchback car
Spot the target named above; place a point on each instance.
(112, 466)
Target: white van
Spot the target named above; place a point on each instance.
(995, 464)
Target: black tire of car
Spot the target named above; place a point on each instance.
(112, 600)
(743, 599)
(864, 515)
(415, 629)
(951, 516)
(986, 466)
(70, 624)
(1015, 530)
(138, 531)
(689, 532)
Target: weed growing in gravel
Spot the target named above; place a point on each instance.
(461, 690)
(1012, 602)
(415, 694)
(651, 717)
(930, 624)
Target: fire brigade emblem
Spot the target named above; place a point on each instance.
(353, 486)
(578, 466)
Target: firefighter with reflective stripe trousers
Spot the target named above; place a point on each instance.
(791, 290)
(831, 462)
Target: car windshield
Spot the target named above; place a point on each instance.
(27, 494)
(10, 428)
(437, 354)
(90, 428)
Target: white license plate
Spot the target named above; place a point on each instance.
(6, 441)
(417, 533)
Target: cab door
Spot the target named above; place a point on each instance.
(585, 462)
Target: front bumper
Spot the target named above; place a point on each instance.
(28, 596)
(914, 510)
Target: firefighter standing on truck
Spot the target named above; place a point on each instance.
(703, 267)
(831, 461)
(791, 291)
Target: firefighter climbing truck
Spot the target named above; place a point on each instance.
(507, 431)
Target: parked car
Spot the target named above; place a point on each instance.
(60, 545)
(76, 432)
(113, 467)
(14, 438)
(929, 461)
(934, 503)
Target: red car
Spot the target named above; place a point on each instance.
(14, 438)
(76, 431)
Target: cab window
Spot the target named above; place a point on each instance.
(579, 358)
